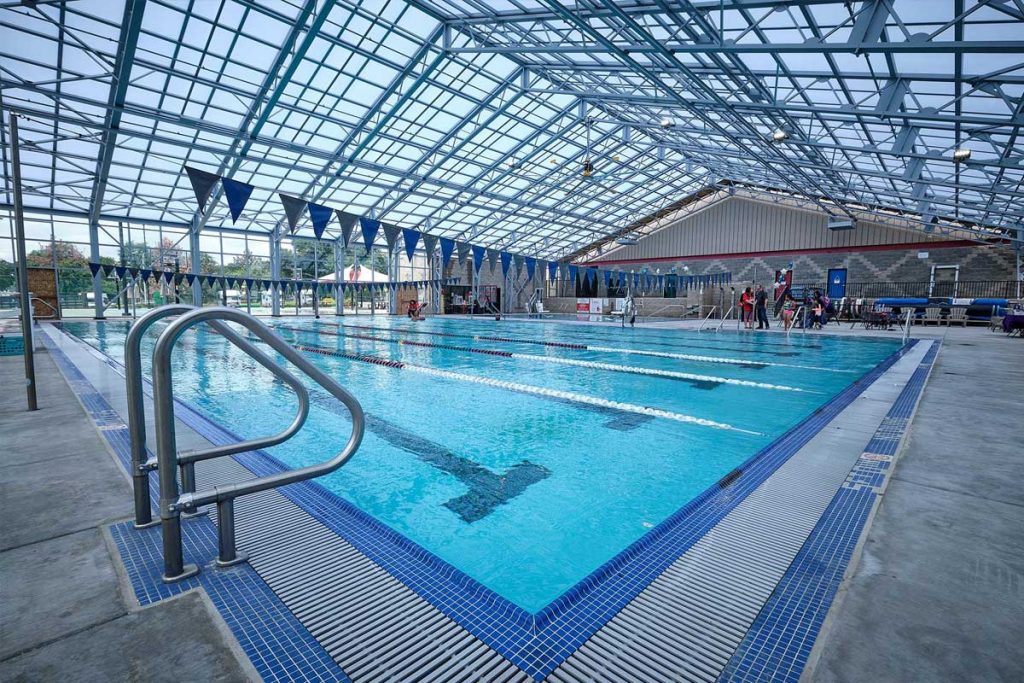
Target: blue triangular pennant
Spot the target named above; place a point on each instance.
(607, 278)
(95, 268)
(191, 278)
(320, 216)
(237, 195)
(411, 239)
(447, 248)
(168, 275)
(572, 274)
(133, 273)
(531, 266)
(506, 260)
(552, 270)
(146, 274)
(120, 270)
(107, 269)
(370, 228)
(249, 282)
(478, 257)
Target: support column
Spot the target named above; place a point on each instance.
(275, 274)
(373, 282)
(339, 271)
(97, 282)
(25, 303)
(195, 259)
(435, 283)
(1018, 248)
(393, 282)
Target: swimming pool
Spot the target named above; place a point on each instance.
(526, 455)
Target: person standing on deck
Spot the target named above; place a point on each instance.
(761, 308)
(747, 308)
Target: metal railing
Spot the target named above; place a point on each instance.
(724, 318)
(906, 325)
(964, 289)
(792, 322)
(174, 502)
(141, 463)
(707, 318)
(53, 316)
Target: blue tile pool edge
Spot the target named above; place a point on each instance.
(779, 643)
(536, 643)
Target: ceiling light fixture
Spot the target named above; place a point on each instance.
(667, 123)
(779, 135)
(961, 154)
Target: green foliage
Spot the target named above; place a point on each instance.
(8, 276)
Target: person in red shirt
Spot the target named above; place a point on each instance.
(747, 308)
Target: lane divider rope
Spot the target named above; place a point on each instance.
(587, 347)
(557, 360)
(523, 388)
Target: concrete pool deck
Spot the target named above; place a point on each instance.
(66, 612)
(934, 510)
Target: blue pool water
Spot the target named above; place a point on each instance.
(525, 474)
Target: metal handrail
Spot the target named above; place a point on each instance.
(56, 313)
(173, 502)
(792, 322)
(724, 318)
(906, 327)
(705, 321)
(141, 463)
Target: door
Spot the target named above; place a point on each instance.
(944, 281)
(836, 283)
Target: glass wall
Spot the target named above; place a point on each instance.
(63, 243)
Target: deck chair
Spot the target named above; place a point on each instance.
(957, 316)
(931, 315)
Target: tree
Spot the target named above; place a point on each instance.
(247, 265)
(8, 276)
(72, 265)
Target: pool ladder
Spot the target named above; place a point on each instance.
(169, 463)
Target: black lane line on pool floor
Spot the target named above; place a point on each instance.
(487, 489)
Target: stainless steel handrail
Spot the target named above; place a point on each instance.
(724, 318)
(792, 321)
(705, 321)
(141, 464)
(906, 327)
(172, 502)
(56, 313)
